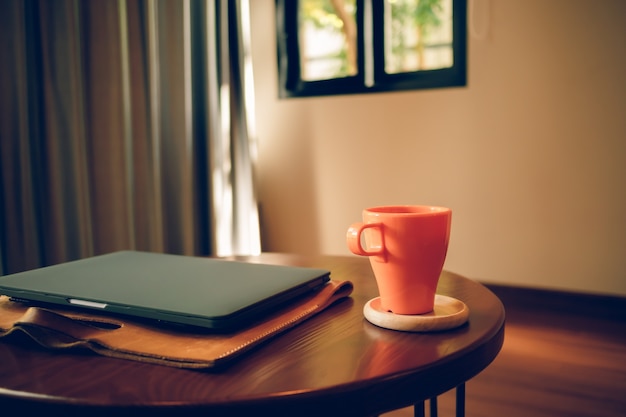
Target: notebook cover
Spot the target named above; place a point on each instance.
(136, 340)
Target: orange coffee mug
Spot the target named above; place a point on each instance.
(407, 247)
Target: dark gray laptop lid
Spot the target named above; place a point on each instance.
(211, 293)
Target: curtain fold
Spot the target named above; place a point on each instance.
(125, 125)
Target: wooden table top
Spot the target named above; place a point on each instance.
(334, 363)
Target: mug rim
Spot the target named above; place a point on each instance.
(409, 210)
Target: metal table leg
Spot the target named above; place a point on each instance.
(433, 407)
(419, 411)
(460, 400)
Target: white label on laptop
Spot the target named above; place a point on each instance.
(86, 303)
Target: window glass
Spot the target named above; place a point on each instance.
(418, 35)
(328, 39)
(329, 47)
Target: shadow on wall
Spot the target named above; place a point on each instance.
(288, 171)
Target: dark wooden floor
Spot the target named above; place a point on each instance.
(563, 355)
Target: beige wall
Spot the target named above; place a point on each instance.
(531, 155)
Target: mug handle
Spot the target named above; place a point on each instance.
(353, 237)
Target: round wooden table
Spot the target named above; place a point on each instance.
(336, 363)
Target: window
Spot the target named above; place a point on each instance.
(328, 47)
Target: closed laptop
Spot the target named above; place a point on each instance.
(210, 293)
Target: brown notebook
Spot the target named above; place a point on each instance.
(136, 340)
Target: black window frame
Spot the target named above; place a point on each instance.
(288, 53)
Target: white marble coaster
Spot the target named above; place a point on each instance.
(447, 314)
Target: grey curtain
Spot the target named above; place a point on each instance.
(125, 124)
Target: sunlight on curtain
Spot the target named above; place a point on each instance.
(125, 125)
